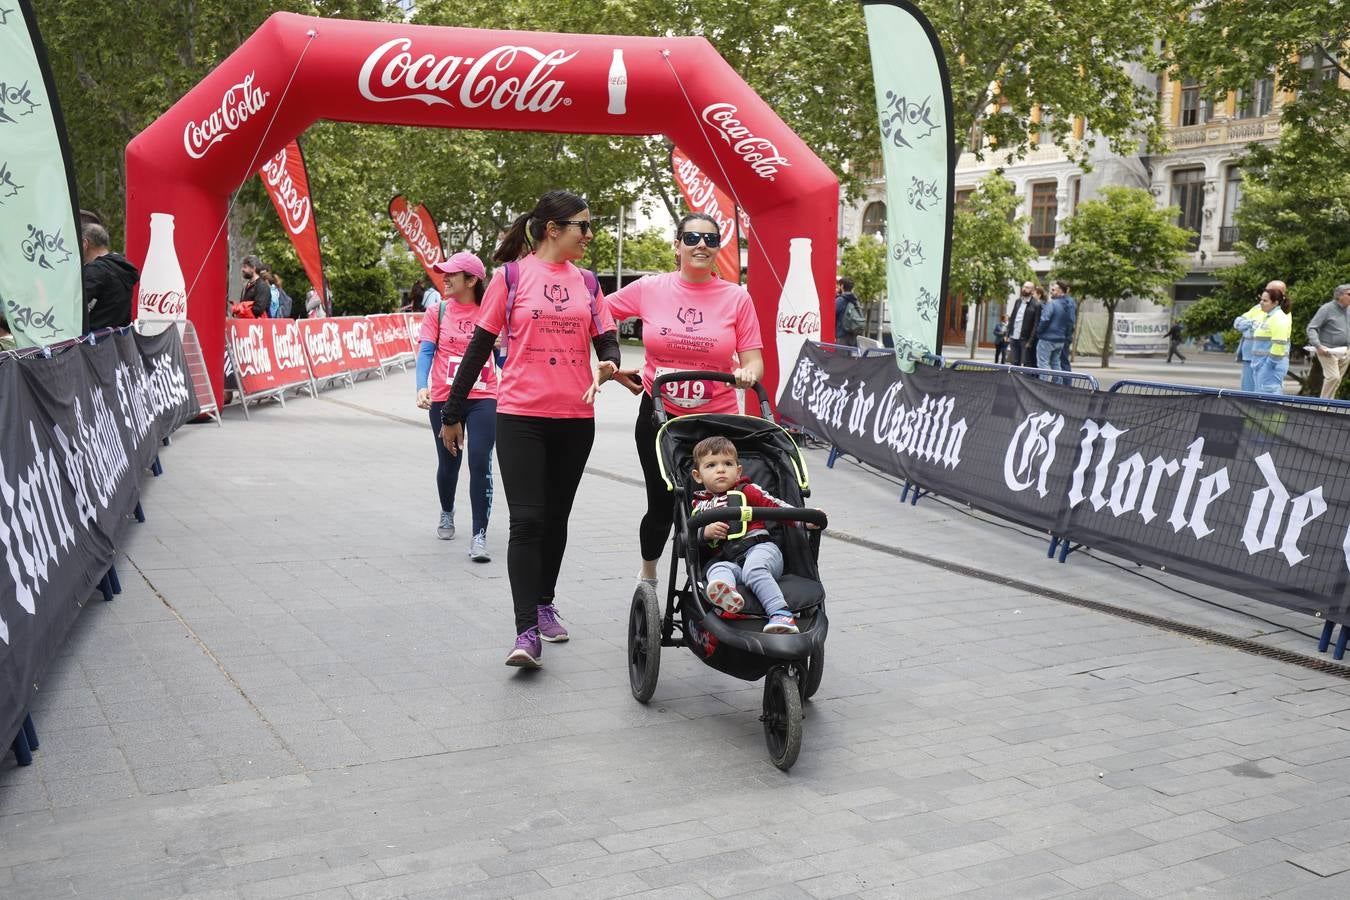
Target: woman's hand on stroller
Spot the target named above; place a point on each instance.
(452, 436)
(745, 378)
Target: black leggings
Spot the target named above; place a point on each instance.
(656, 524)
(541, 462)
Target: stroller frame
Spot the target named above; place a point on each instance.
(791, 664)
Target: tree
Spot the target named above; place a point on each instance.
(1294, 225)
(652, 250)
(989, 252)
(1122, 246)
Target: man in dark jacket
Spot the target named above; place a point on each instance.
(1022, 322)
(109, 280)
(256, 289)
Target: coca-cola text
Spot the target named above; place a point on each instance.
(164, 304)
(426, 246)
(799, 323)
(391, 72)
(240, 102)
(277, 179)
(702, 196)
(760, 153)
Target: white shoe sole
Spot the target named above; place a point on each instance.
(445, 534)
(481, 557)
(522, 660)
(773, 628)
(724, 597)
(560, 639)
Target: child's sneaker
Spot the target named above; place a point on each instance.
(527, 651)
(725, 597)
(781, 623)
(550, 628)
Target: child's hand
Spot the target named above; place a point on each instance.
(717, 531)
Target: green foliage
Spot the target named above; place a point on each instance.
(362, 292)
(864, 260)
(1294, 225)
(645, 251)
(989, 252)
(1122, 246)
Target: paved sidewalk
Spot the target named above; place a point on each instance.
(301, 693)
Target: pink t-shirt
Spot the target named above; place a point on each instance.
(548, 361)
(451, 337)
(690, 326)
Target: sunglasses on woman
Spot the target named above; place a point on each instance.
(583, 224)
(711, 239)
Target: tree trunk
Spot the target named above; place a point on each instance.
(972, 323)
(1110, 334)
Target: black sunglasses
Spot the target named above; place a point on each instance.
(711, 239)
(583, 224)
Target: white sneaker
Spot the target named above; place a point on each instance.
(446, 530)
(478, 551)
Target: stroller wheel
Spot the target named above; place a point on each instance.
(815, 670)
(644, 643)
(782, 718)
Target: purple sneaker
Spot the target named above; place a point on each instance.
(550, 628)
(527, 651)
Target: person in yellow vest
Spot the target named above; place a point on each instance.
(1246, 324)
(1268, 333)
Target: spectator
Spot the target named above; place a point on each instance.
(1268, 332)
(430, 297)
(1038, 304)
(7, 341)
(284, 303)
(1022, 325)
(1056, 328)
(414, 304)
(108, 280)
(1245, 323)
(1001, 339)
(1174, 342)
(314, 305)
(848, 315)
(1329, 335)
(256, 293)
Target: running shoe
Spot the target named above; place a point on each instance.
(528, 650)
(781, 623)
(725, 597)
(550, 627)
(446, 530)
(478, 551)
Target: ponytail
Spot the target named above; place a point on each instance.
(529, 228)
(1281, 299)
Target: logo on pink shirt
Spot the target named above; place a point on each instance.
(689, 317)
(557, 295)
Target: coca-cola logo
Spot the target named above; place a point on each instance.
(761, 154)
(806, 323)
(392, 72)
(287, 346)
(250, 351)
(285, 193)
(426, 245)
(358, 341)
(324, 343)
(702, 196)
(168, 304)
(239, 103)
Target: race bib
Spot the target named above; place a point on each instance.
(484, 376)
(685, 394)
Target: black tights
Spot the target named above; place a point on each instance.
(656, 524)
(541, 462)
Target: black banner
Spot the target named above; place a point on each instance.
(77, 432)
(1247, 496)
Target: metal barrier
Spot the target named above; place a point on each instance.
(1073, 379)
(1164, 389)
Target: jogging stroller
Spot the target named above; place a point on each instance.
(793, 663)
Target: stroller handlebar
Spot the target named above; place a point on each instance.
(810, 516)
(725, 377)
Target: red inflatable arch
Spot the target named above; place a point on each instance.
(296, 69)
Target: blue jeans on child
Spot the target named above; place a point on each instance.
(760, 569)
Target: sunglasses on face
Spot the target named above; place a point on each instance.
(583, 224)
(711, 239)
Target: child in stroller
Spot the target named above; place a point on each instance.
(750, 555)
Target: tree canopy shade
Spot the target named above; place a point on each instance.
(1121, 246)
(989, 252)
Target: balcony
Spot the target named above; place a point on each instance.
(1228, 236)
(1224, 131)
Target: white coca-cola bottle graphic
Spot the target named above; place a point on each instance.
(798, 309)
(618, 85)
(162, 292)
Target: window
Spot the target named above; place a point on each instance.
(1321, 68)
(963, 196)
(1255, 102)
(1232, 198)
(874, 219)
(976, 141)
(1188, 195)
(1044, 207)
(1194, 108)
(1046, 135)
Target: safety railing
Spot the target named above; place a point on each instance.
(1164, 389)
(1073, 379)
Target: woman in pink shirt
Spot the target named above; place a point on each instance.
(691, 320)
(447, 326)
(549, 314)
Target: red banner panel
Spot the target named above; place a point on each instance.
(284, 178)
(268, 353)
(323, 347)
(358, 342)
(390, 334)
(419, 230)
(705, 197)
